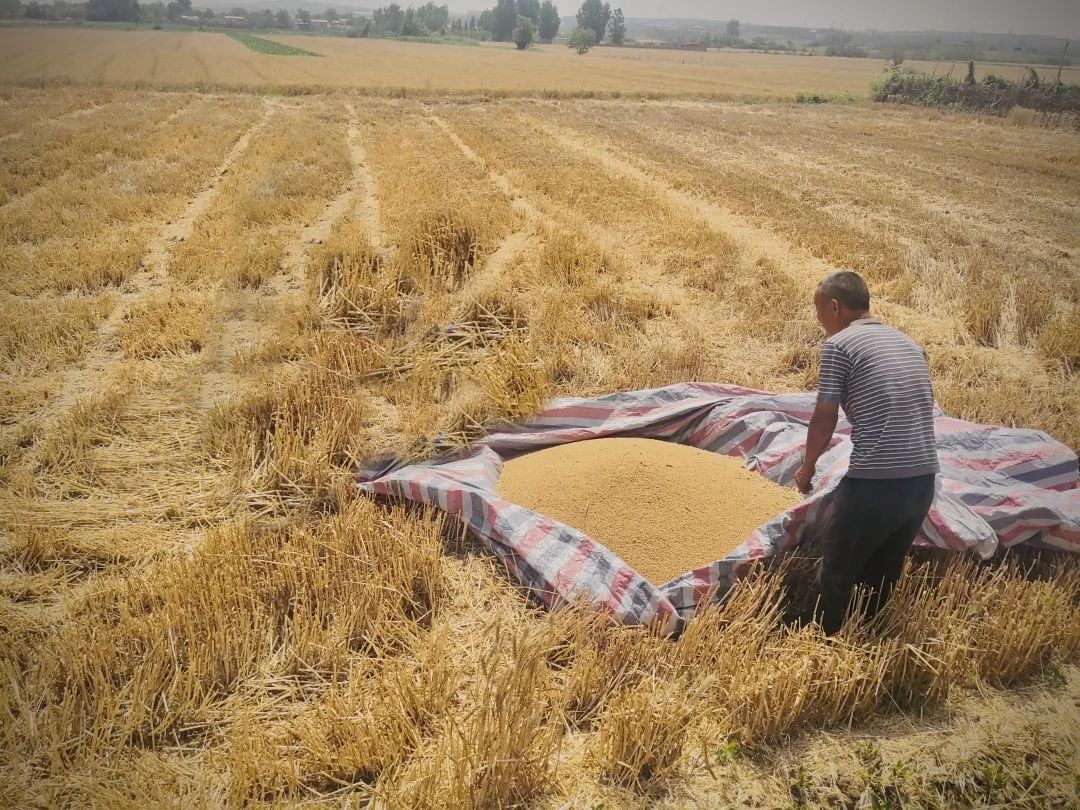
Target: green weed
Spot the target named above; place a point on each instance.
(267, 46)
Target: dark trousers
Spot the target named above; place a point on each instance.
(873, 524)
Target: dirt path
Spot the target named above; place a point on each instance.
(512, 245)
(11, 136)
(517, 198)
(88, 375)
(753, 241)
(557, 215)
(157, 256)
(295, 259)
(247, 311)
(369, 200)
(515, 243)
(178, 112)
(240, 319)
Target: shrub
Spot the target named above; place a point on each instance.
(994, 94)
(853, 51)
(525, 33)
(582, 39)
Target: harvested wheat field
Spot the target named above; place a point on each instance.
(217, 304)
(664, 508)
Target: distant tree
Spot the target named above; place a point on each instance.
(10, 9)
(152, 13)
(530, 9)
(525, 33)
(389, 19)
(37, 11)
(616, 29)
(594, 14)
(237, 11)
(112, 10)
(303, 16)
(733, 29)
(330, 14)
(432, 18)
(970, 77)
(410, 26)
(282, 19)
(839, 43)
(504, 20)
(549, 21)
(178, 8)
(263, 18)
(582, 39)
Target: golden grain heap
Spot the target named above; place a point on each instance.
(664, 508)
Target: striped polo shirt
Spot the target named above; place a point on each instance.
(880, 378)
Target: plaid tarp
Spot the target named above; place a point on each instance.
(998, 487)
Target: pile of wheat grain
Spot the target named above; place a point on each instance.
(664, 508)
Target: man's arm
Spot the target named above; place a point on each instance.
(832, 382)
(822, 427)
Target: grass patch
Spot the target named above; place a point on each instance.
(268, 46)
(438, 40)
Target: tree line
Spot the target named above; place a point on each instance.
(96, 10)
(522, 20)
(519, 21)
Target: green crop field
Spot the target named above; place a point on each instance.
(260, 45)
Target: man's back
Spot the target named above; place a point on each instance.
(880, 378)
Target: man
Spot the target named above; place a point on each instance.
(880, 377)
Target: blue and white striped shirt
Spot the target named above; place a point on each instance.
(879, 377)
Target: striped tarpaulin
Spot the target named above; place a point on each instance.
(998, 487)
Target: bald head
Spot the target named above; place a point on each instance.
(847, 289)
(841, 298)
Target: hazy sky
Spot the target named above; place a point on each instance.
(1057, 17)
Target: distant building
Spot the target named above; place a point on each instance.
(190, 19)
(319, 23)
(235, 21)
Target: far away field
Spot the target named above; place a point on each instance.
(168, 59)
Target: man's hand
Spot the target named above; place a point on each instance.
(822, 425)
(803, 479)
